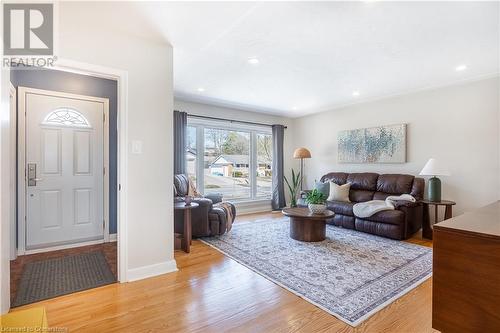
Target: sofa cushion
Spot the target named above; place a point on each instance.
(181, 183)
(339, 192)
(396, 217)
(340, 207)
(360, 195)
(363, 181)
(339, 178)
(380, 229)
(380, 195)
(395, 184)
(323, 188)
(343, 221)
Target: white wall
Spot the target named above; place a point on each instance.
(227, 113)
(95, 33)
(88, 34)
(459, 125)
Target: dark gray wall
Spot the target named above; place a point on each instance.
(83, 85)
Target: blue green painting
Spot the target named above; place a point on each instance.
(383, 144)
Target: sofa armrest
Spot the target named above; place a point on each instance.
(205, 204)
(408, 204)
(218, 221)
(215, 197)
(413, 215)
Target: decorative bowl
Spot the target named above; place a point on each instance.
(317, 209)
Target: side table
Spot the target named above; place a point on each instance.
(185, 237)
(448, 213)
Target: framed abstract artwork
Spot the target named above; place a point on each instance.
(383, 144)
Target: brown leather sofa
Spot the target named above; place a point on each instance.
(206, 220)
(400, 223)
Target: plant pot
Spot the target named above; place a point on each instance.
(317, 209)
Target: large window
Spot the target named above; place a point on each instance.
(221, 156)
(227, 164)
(264, 162)
(191, 153)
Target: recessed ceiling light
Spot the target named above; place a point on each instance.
(355, 93)
(200, 89)
(461, 68)
(294, 108)
(253, 61)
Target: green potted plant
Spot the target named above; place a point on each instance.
(293, 187)
(316, 201)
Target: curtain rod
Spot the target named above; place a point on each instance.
(229, 120)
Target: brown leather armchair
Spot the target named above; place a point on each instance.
(206, 220)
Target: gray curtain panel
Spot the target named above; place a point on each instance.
(180, 129)
(278, 199)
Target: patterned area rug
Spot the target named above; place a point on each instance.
(55, 277)
(351, 274)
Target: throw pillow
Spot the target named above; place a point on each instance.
(323, 188)
(339, 192)
(192, 191)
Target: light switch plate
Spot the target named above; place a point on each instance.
(136, 147)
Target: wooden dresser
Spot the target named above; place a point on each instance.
(466, 272)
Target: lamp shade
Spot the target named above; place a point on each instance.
(434, 168)
(301, 153)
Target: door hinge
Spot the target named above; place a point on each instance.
(104, 171)
(103, 224)
(119, 187)
(104, 117)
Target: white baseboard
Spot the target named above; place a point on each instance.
(145, 272)
(113, 237)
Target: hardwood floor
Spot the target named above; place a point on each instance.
(212, 293)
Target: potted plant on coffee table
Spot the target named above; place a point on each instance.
(316, 201)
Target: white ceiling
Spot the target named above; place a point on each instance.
(313, 55)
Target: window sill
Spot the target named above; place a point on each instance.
(248, 206)
(243, 202)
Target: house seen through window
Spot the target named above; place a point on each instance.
(220, 159)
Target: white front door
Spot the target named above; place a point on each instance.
(64, 169)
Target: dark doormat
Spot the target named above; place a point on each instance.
(55, 277)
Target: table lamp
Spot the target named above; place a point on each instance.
(301, 153)
(433, 168)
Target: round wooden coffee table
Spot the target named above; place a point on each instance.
(305, 226)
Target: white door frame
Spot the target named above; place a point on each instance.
(13, 169)
(21, 139)
(121, 77)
